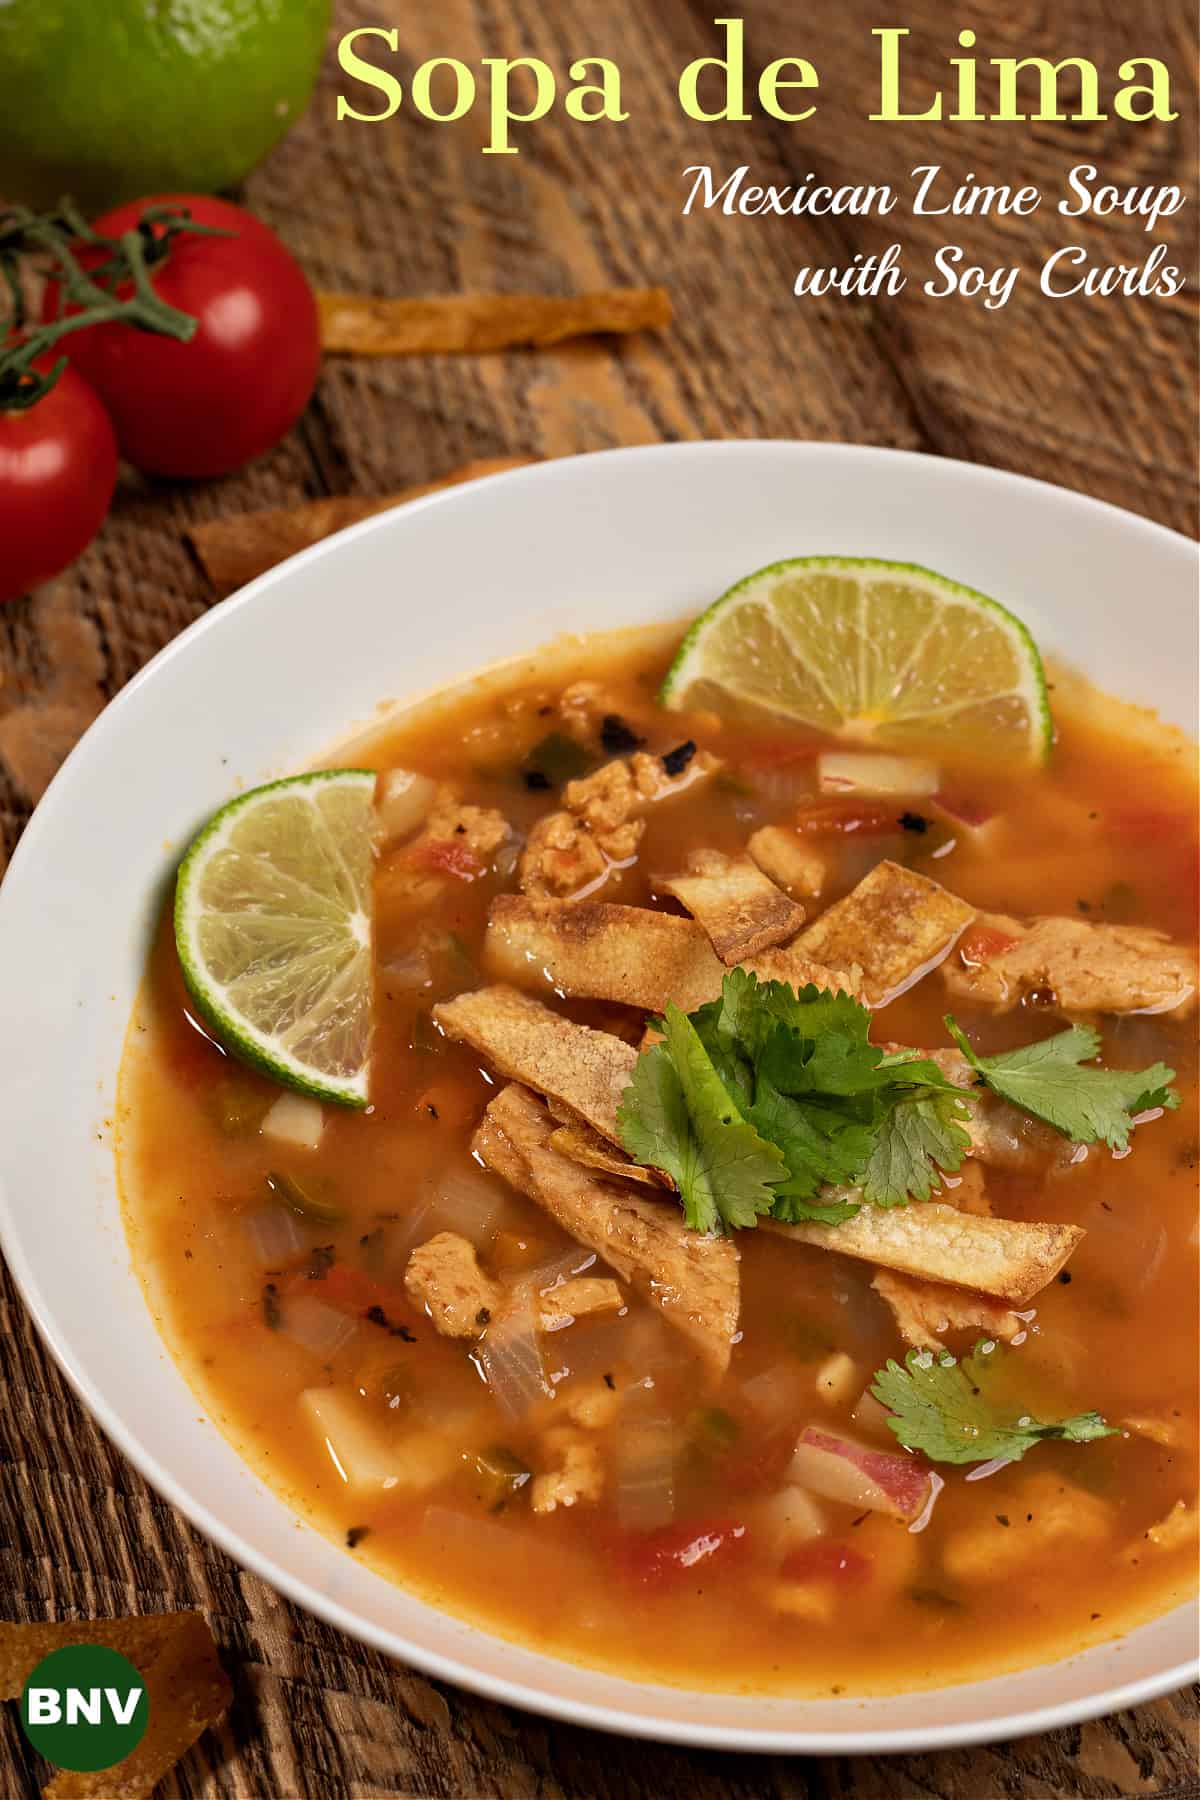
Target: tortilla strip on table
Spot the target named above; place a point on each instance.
(524, 1041)
(594, 950)
(186, 1691)
(1005, 1257)
(692, 1279)
(235, 547)
(739, 907)
(897, 924)
(373, 325)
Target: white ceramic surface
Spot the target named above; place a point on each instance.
(269, 680)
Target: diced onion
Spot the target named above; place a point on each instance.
(776, 1394)
(402, 800)
(556, 1269)
(862, 772)
(275, 1234)
(644, 1489)
(509, 1356)
(870, 1415)
(314, 1325)
(295, 1120)
(469, 1201)
(785, 785)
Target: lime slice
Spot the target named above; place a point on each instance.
(877, 652)
(273, 927)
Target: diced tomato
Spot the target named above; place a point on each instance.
(981, 942)
(838, 818)
(353, 1290)
(447, 856)
(678, 1550)
(826, 1560)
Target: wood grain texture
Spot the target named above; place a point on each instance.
(1098, 395)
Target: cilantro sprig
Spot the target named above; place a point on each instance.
(1087, 1105)
(938, 1406)
(774, 1102)
(768, 1100)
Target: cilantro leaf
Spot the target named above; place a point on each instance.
(820, 1145)
(938, 1407)
(678, 1115)
(1087, 1105)
(920, 1135)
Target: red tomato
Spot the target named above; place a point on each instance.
(825, 1560)
(842, 817)
(205, 407)
(981, 942)
(58, 468)
(676, 1550)
(448, 857)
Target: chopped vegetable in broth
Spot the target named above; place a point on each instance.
(768, 1259)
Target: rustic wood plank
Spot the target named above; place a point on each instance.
(1099, 395)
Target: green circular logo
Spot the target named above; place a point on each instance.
(85, 1707)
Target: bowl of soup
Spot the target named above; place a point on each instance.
(469, 1370)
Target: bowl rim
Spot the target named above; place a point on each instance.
(518, 1693)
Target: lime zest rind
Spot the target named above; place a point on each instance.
(236, 1034)
(672, 693)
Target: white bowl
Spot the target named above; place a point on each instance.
(268, 681)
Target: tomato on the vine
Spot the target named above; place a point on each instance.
(58, 469)
(204, 407)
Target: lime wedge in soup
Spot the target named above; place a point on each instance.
(273, 926)
(873, 652)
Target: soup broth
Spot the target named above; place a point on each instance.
(691, 1555)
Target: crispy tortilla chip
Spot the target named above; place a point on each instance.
(692, 1279)
(924, 1310)
(640, 958)
(234, 549)
(897, 924)
(583, 1145)
(186, 1688)
(1006, 1257)
(524, 1041)
(739, 907)
(373, 326)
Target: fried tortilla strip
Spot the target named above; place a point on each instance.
(693, 1279)
(598, 951)
(897, 924)
(186, 1691)
(233, 549)
(739, 907)
(583, 1145)
(1005, 1257)
(366, 325)
(923, 1310)
(524, 1041)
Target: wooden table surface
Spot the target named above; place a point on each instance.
(1097, 394)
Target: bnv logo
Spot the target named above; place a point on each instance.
(85, 1707)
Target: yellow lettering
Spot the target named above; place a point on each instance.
(361, 70)
(733, 64)
(769, 84)
(1009, 67)
(464, 89)
(889, 78)
(608, 88)
(1158, 88)
(502, 113)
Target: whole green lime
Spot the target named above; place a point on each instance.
(111, 99)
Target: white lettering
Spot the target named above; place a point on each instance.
(86, 1708)
(123, 1711)
(44, 1705)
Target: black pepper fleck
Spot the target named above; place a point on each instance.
(1003, 1519)
(1065, 1278)
(911, 821)
(609, 1382)
(320, 1260)
(535, 781)
(356, 1534)
(270, 1306)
